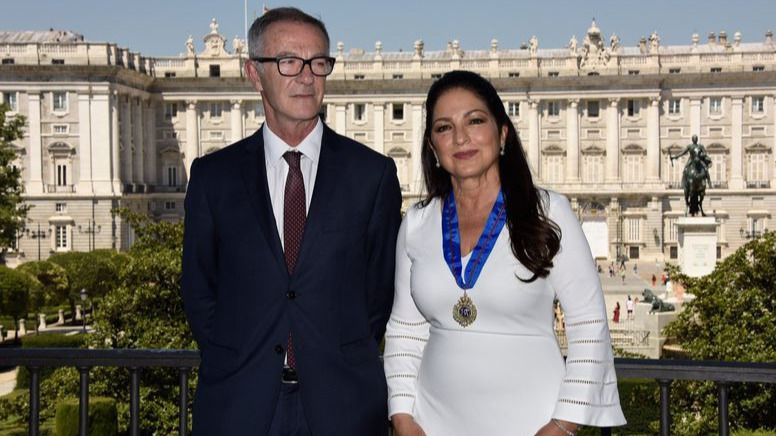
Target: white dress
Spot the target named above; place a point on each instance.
(503, 374)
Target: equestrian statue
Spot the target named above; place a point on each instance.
(695, 177)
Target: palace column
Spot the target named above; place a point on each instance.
(139, 137)
(192, 136)
(150, 150)
(84, 185)
(236, 119)
(695, 116)
(572, 141)
(653, 140)
(417, 146)
(612, 140)
(126, 140)
(736, 140)
(341, 118)
(100, 156)
(115, 160)
(533, 138)
(379, 126)
(35, 186)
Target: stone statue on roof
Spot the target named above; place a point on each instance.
(533, 45)
(213, 26)
(573, 45)
(190, 47)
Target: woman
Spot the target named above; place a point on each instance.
(470, 348)
(616, 316)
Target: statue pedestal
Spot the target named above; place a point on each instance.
(697, 245)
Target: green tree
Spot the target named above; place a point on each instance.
(13, 211)
(144, 310)
(15, 293)
(53, 280)
(97, 272)
(733, 318)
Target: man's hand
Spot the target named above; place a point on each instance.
(405, 425)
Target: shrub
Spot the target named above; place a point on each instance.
(48, 340)
(103, 420)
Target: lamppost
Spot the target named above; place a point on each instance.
(37, 234)
(84, 296)
(90, 229)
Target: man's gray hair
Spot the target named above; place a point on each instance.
(275, 15)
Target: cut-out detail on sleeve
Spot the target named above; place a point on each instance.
(586, 403)
(584, 361)
(582, 382)
(586, 341)
(409, 324)
(400, 376)
(403, 395)
(413, 338)
(394, 355)
(588, 322)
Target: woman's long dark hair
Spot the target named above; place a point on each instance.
(534, 236)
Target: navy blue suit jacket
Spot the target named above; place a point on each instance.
(241, 302)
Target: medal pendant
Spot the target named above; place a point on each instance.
(464, 312)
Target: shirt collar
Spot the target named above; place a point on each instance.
(274, 147)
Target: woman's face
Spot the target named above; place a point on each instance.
(465, 136)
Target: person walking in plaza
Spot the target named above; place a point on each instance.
(470, 346)
(616, 317)
(629, 304)
(288, 257)
(654, 280)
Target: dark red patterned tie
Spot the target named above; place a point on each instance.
(294, 216)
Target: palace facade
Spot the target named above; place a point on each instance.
(109, 127)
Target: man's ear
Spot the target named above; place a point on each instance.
(252, 73)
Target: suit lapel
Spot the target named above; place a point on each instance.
(323, 193)
(254, 173)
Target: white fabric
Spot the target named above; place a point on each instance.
(504, 374)
(277, 168)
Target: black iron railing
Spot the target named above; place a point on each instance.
(663, 371)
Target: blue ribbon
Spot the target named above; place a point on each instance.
(451, 241)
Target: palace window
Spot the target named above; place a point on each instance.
(59, 101)
(718, 170)
(758, 105)
(10, 98)
(715, 105)
(215, 70)
(715, 70)
(397, 111)
(216, 110)
(675, 106)
(57, 62)
(593, 168)
(60, 129)
(553, 168)
(60, 207)
(593, 108)
(258, 109)
(398, 137)
(359, 112)
(397, 76)
(553, 108)
(61, 240)
(169, 205)
(170, 110)
(633, 72)
(674, 70)
(8, 61)
(171, 176)
(634, 107)
(358, 77)
(169, 74)
(553, 74)
(633, 167)
(61, 173)
(670, 230)
(758, 68)
(513, 108)
(632, 229)
(757, 168)
(513, 74)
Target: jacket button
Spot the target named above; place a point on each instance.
(278, 349)
(291, 295)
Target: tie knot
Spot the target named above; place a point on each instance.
(292, 158)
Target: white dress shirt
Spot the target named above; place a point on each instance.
(277, 168)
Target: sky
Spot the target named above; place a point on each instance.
(160, 27)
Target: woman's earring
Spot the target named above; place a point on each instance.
(503, 147)
(435, 157)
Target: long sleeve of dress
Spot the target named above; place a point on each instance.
(406, 335)
(588, 394)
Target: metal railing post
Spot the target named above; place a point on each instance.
(183, 428)
(34, 400)
(83, 402)
(722, 396)
(665, 409)
(134, 402)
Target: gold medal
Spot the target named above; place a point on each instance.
(464, 312)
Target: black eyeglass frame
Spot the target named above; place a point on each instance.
(309, 62)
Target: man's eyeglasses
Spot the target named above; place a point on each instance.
(291, 66)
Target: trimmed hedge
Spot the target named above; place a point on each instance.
(640, 401)
(45, 340)
(103, 418)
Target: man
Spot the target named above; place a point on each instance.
(288, 257)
